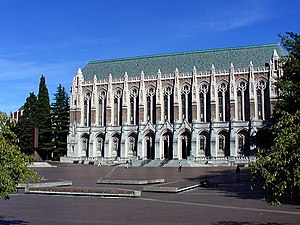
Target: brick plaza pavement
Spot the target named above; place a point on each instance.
(224, 202)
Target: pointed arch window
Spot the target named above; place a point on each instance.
(262, 100)
(240, 105)
(223, 102)
(87, 109)
(118, 107)
(202, 107)
(204, 102)
(168, 104)
(184, 107)
(101, 108)
(186, 103)
(151, 109)
(134, 106)
(259, 104)
(166, 107)
(242, 98)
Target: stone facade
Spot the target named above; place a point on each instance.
(191, 115)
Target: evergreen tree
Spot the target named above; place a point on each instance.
(60, 122)
(277, 168)
(24, 128)
(43, 121)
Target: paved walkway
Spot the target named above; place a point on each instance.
(223, 202)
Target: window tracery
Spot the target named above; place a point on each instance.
(223, 101)
(203, 102)
(117, 107)
(151, 110)
(102, 107)
(133, 106)
(260, 98)
(87, 109)
(167, 102)
(185, 100)
(241, 95)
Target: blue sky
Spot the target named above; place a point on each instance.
(55, 37)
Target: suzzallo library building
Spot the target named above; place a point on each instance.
(199, 106)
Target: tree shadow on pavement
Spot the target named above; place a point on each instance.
(11, 221)
(244, 223)
(226, 180)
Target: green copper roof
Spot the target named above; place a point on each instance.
(183, 61)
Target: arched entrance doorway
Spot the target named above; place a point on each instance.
(243, 145)
(223, 144)
(132, 145)
(100, 145)
(85, 144)
(150, 146)
(204, 144)
(167, 145)
(185, 144)
(116, 146)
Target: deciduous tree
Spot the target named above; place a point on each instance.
(277, 168)
(13, 163)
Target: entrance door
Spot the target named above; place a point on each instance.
(168, 146)
(150, 146)
(184, 148)
(185, 145)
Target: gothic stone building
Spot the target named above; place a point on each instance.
(190, 105)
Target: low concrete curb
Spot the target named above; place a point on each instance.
(130, 182)
(171, 189)
(40, 164)
(121, 193)
(45, 184)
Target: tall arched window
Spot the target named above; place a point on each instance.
(241, 100)
(184, 106)
(186, 103)
(202, 107)
(101, 108)
(134, 106)
(262, 100)
(223, 102)
(259, 104)
(240, 105)
(118, 107)
(166, 107)
(87, 109)
(204, 103)
(151, 109)
(168, 104)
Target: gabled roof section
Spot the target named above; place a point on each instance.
(184, 61)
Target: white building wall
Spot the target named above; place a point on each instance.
(79, 87)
